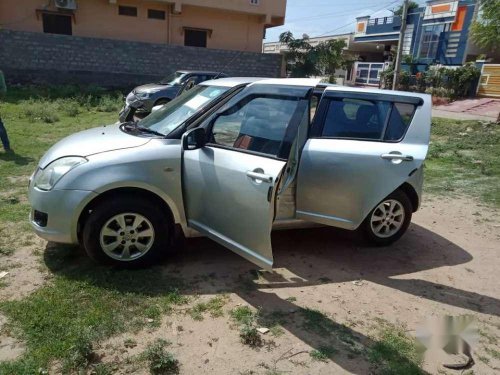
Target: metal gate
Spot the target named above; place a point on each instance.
(489, 83)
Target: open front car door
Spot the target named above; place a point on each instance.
(233, 162)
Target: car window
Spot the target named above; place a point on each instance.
(355, 118)
(399, 120)
(256, 125)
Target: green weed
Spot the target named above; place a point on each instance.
(160, 361)
(394, 352)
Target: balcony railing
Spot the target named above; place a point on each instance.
(381, 21)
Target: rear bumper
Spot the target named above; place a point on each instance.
(60, 210)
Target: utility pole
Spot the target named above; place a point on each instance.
(397, 65)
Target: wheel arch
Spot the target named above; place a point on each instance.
(412, 195)
(162, 99)
(138, 193)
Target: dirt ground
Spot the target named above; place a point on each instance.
(447, 263)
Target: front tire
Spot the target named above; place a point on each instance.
(389, 220)
(127, 232)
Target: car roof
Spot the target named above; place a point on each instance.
(198, 72)
(376, 91)
(230, 81)
(235, 81)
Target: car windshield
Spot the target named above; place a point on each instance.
(174, 113)
(172, 79)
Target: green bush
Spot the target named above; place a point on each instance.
(161, 361)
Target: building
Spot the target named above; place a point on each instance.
(230, 24)
(437, 33)
(358, 51)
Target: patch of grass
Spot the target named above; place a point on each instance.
(213, 306)
(102, 369)
(55, 321)
(395, 352)
(493, 352)
(483, 359)
(323, 353)
(464, 158)
(242, 315)
(291, 299)
(160, 361)
(80, 354)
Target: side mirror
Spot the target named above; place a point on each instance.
(194, 139)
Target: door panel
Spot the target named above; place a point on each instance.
(359, 153)
(340, 181)
(226, 200)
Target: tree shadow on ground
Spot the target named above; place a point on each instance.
(310, 257)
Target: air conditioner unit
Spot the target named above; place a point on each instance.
(65, 4)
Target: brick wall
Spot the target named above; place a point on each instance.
(58, 59)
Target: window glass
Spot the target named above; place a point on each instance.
(57, 24)
(355, 118)
(195, 38)
(257, 125)
(127, 11)
(156, 14)
(180, 109)
(430, 40)
(314, 105)
(401, 116)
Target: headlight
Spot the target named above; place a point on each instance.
(143, 95)
(46, 178)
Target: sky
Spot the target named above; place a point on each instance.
(327, 17)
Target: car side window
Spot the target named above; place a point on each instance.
(355, 118)
(399, 120)
(258, 124)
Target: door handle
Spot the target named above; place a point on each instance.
(259, 176)
(397, 157)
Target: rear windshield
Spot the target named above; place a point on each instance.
(180, 109)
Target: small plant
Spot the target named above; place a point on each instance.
(213, 306)
(243, 315)
(323, 353)
(161, 361)
(80, 354)
(250, 336)
(130, 343)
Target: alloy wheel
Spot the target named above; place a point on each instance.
(127, 236)
(387, 218)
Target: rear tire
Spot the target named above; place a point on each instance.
(127, 232)
(389, 220)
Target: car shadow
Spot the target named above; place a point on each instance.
(309, 257)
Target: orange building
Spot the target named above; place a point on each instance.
(220, 24)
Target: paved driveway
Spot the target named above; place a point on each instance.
(487, 109)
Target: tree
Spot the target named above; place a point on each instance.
(304, 60)
(485, 30)
(399, 11)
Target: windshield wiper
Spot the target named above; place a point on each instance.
(149, 131)
(133, 126)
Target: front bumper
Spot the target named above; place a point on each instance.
(62, 209)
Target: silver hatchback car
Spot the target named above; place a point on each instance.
(232, 159)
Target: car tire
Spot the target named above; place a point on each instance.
(389, 220)
(127, 232)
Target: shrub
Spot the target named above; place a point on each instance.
(250, 336)
(161, 361)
